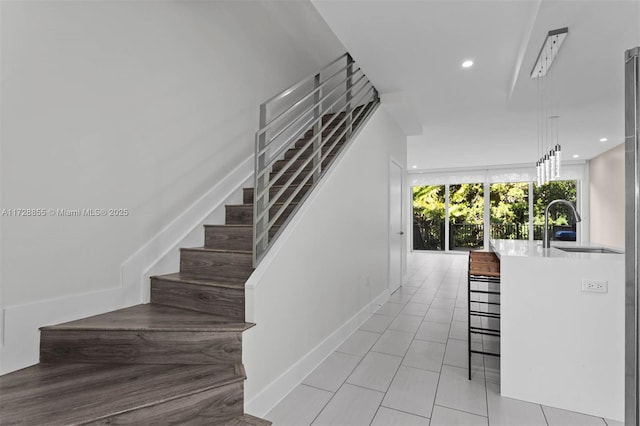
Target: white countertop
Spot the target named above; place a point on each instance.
(525, 248)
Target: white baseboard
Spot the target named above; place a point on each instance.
(19, 324)
(271, 395)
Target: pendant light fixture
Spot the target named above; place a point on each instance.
(548, 167)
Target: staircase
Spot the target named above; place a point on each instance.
(178, 359)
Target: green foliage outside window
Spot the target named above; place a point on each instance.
(428, 202)
(509, 208)
(543, 195)
(509, 202)
(466, 203)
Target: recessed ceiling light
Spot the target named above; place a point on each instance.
(467, 64)
(603, 139)
(575, 156)
(414, 166)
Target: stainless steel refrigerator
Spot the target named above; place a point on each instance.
(632, 235)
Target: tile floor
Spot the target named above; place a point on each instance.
(407, 365)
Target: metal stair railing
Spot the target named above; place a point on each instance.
(317, 117)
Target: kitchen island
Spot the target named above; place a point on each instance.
(562, 327)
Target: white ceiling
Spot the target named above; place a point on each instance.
(487, 115)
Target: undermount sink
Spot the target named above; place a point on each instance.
(588, 250)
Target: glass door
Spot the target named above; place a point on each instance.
(428, 217)
(509, 211)
(466, 216)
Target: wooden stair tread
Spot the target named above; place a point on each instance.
(247, 420)
(182, 277)
(152, 317)
(71, 394)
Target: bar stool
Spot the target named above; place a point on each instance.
(483, 280)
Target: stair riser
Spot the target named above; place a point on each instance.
(211, 407)
(228, 238)
(249, 193)
(217, 265)
(243, 215)
(202, 298)
(140, 347)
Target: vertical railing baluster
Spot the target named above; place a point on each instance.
(317, 132)
(261, 189)
(349, 107)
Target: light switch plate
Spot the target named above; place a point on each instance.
(595, 286)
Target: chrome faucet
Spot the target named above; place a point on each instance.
(547, 237)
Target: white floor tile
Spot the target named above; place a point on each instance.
(459, 331)
(426, 291)
(610, 422)
(377, 323)
(416, 281)
(456, 391)
(350, 406)
(359, 343)
(390, 308)
(333, 371)
(375, 371)
(419, 309)
(439, 315)
(444, 303)
(558, 417)
(412, 391)
(433, 331)
(462, 303)
(425, 355)
(508, 412)
(393, 342)
(443, 416)
(457, 353)
(460, 314)
(406, 323)
(400, 296)
(300, 407)
(422, 298)
(388, 417)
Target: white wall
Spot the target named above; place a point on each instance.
(136, 105)
(326, 272)
(606, 197)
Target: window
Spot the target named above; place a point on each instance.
(428, 217)
(561, 221)
(509, 208)
(452, 217)
(466, 216)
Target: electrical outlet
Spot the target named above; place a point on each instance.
(595, 286)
